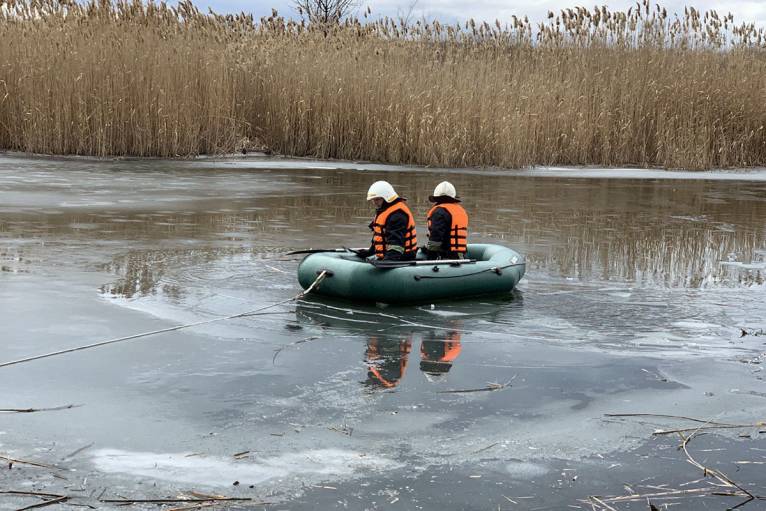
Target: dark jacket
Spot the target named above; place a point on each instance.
(441, 222)
(396, 229)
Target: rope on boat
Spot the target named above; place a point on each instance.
(494, 269)
(254, 312)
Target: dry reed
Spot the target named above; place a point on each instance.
(640, 87)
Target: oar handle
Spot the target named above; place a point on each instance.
(436, 262)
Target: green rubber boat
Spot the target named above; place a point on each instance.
(487, 270)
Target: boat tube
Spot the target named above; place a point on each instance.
(486, 270)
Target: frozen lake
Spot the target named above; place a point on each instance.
(639, 288)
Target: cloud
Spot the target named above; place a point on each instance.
(490, 10)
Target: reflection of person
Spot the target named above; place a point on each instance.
(447, 224)
(386, 361)
(393, 228)
(438, 355)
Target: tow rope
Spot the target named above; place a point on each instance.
(253, 312)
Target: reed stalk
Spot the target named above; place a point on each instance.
(641, 87)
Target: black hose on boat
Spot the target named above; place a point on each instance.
(495, 269)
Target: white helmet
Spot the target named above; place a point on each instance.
(383, 190)
(444, 189)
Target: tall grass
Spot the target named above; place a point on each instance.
(586, 87)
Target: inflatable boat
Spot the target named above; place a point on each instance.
(486, 270)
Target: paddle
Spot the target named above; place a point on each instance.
(401, 264)
(322, 250)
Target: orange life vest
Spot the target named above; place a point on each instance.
(378, 225)
(458, 233)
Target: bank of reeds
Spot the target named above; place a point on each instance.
(642, 87)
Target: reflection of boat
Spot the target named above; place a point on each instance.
(496, 270)
(360, 319)
(390, 338)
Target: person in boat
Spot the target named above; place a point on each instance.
(393, 229)
(447, 224)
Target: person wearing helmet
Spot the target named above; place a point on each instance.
(447, 224)
(393, 228)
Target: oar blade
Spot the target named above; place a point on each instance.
(315, 251)
(322, 250)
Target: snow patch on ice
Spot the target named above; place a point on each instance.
(690, 323)
(217, 471)
(525, 470)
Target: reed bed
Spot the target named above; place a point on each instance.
(585, 87)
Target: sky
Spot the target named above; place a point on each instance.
(489, 10)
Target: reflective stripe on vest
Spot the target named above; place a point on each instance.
(458, 232)
(379, 240)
